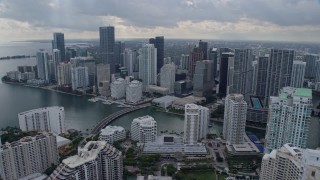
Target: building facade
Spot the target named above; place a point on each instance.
(64, 74)
(289, 118)
(107, 43)
(58, 43)
(79, 77)
(195, 123)
(134, 91)
(27, 156)
(43, 65)
(144, 129)
(310, 60)
(158, 43)
(148, 65)
(234, 123)
(50, 119)
(168, 76)
(111, 134)
(118, 88)
(202, 78)
(298, 73)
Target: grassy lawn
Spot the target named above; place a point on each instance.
(199, 176)
(202, 175)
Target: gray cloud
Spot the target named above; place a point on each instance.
(86, 14)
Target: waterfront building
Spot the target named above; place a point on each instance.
(104, 88)
(95, 160)
(225, 61)
(64, 73)
(107, 43)
(234, 123)
(184, 62)
(148, 65)
(290, 162)
(289, 118)
(79, 77)
(43, 65)
(164, 101)
(144, 129)
(262, 75)
(134, 91)
(50, 119)
(58, 43)
(158, 43)
(14, 75)
(27, 156)
(103, 75)
(202, 78)
(28, 76)
(118, 88)
(24, 69)
(310, 60)
(56, 57)
(111, 134)
(158, 90)
(240, 73)
(195, 123)
(279, 70)
(167, 77)
(298, 73)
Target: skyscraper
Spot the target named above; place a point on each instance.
(107, 44)
(317, 75)
(279, 70)
(213, 56)
(168, 76)
(226, 59)
(58, 43)
(119, 48)
(95, 160)
(56, 57)
(203, 46)
(148, 65)
(234, 123)
(184, 62)
(195, 123)
(64, 73)
(310, 60)
(289, 118)
(128, 61)
(158, 43)
(240, 72)
(202, 78)
(195, 55)
(298, 72)
(262, 74)
(43, 65)
(79, 77)
(27, 156)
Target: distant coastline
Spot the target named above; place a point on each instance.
(16, 57)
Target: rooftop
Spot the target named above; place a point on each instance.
(303, 92)
(111, 130)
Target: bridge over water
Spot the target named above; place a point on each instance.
(105, 121)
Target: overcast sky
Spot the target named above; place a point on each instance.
(281, 20)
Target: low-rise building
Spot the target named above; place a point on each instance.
(110, 134)
(164, 101)
(180, 103)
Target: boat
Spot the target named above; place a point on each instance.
(93, 100)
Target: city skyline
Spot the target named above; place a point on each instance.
(285, 20)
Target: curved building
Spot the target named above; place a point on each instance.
(144, 129)
(134, 91)
(112, 134)
(43, 119)
(118, 88)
